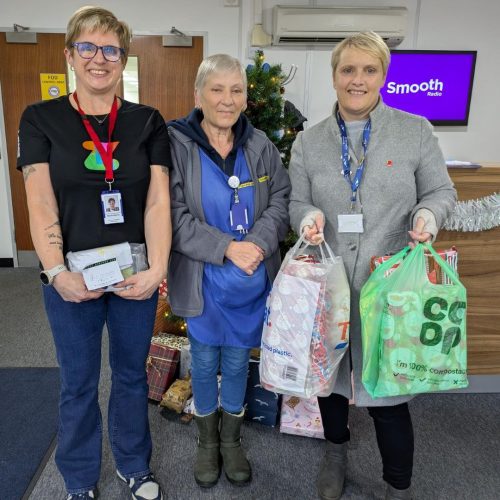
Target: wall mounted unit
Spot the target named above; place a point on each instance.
(328, 26)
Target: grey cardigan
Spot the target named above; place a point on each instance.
(404, 171)
(195, 242)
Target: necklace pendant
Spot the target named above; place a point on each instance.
(100, 121)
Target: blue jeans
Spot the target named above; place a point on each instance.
(77, 331)
(206, 361)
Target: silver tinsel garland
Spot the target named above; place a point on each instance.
(475, 215)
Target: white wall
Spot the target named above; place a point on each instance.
(433, 24)
(6, 218)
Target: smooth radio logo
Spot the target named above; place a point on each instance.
(433, 87)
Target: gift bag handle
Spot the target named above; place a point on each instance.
(443, 264)
(329, 251)
(390, 262)
(302, 241)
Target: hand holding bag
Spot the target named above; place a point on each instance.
(306, 326)
(413, 331)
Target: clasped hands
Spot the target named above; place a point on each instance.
(245, 255)
(71, 286)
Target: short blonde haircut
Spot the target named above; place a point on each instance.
(91, 19)
(367, 41)
(218, 63)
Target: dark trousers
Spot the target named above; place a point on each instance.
(394, 431)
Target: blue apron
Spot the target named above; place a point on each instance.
(234, 302)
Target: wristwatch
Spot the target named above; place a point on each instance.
(47, 276)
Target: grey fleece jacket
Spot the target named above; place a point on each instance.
(195, 242)
(404, 172)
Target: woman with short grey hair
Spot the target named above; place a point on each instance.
(230, 210)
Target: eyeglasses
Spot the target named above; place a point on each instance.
(88, 50)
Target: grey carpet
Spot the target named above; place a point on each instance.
(457, 446)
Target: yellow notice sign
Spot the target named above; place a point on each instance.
(53, 85)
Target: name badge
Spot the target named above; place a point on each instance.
(238, 216)
(112, 207)
(350, 223)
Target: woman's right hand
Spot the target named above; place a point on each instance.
(314, 233)
(245, 255)
(72, 288)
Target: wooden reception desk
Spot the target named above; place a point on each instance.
(479, 270)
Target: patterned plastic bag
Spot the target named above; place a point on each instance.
(306, 328)
(413, 331)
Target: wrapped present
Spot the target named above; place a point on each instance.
(177, 395)
(301, 417)
(261, 405)
(433, 268)
(162, 361)
(163, 289)
(166, 321)
(171, 340)
(160, 318)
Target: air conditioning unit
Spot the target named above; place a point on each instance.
(330, 25)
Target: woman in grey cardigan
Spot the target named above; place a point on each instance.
(363, 179)
(230, 196)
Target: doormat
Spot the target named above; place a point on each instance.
(29, 399)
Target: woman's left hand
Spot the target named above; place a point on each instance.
(140, 286)
(418, 235)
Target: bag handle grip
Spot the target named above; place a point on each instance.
(443, 264)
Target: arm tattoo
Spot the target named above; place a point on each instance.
(56, 223)
(57, 243)
(164, 170)
(27, 171)
(55, 236)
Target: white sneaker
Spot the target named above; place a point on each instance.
(143, 488)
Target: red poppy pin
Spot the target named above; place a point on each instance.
(388, 163)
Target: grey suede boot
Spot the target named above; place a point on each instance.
(392, 493)
(207, 466)
(332, 471)
(236, 466)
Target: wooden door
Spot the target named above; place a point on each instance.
(166, 79)
(20, 68)
(167, 74)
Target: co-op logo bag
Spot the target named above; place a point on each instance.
(413, 331)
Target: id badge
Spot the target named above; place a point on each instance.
(350, 223)
(112, 207)
(238, 216)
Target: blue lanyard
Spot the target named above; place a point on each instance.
(346, 164)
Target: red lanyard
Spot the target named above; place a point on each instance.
(106, 154)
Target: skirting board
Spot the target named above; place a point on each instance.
(26, 258)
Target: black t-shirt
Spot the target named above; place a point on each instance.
(53, 132)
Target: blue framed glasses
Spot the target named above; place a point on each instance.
(88, 50)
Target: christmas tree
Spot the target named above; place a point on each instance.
(265, 108)
(266, 111)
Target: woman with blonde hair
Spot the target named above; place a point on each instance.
(76, 153)
(366, 179)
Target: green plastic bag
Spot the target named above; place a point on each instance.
(413, 331)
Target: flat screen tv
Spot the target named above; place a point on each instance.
(436, 84)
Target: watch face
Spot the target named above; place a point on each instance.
(45, 278)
